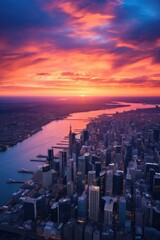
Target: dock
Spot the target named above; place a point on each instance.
(37, 160)
(15, 181)
(59, 147)
(62, 144)
(41, 156)
(25, 171)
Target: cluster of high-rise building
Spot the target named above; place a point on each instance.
(105, 186)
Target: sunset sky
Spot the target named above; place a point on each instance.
(79, 47)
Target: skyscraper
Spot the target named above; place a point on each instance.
(109, 182)
(156, 218)
(156, 134)
(85, 136)
(118, 156)
(118, 183)
(29, 209)
(108, 212)
(82, 165)
(79, 183)
(69, 172)
(97, 166)
(50, 158)
(82, 207)
(108, 156)
(71, 142)
(64, 210)
(94, 203)
(78, 230)
(122, 210)
(102, 183)
(128, 157)
(62, 162)
(91, 178)
(69, 189)
(68, 230)
(46, 175)
(156, 186)
(54, 212)
(88, 231)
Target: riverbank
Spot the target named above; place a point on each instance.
(19, 123)
(54, 132)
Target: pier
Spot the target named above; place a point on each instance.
(25, 171)
(41, 156)
(62, 144)
(15, 181)
(37, 160)
(59, 147)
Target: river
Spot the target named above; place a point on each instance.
(19, 156)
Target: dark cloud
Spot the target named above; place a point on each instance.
(156, 83)
(145, 32)
(156, 75)
(67, 73)
(138, 81)
(127, 55)
(134, 81)
(66, 42)
(25, 21)
(23, 14)
(138, 22)
(37, 88)
(156, 55)
(43, 74)
(38, 60)
(96, 6)
(15, 56)
(8, 59)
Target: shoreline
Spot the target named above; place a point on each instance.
(122, 114)
(118, 114)
(4, 148)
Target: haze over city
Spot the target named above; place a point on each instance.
(79, 48)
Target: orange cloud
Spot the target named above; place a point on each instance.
(74, 48)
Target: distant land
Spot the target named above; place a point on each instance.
(21, 117)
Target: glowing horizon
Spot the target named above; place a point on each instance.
(83, 48)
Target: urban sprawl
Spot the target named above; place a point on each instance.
(105, 185)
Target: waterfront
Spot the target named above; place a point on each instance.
(19, 156)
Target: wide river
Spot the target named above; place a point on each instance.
(19, 156)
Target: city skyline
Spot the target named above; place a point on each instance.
(103, 184)
(81, 48)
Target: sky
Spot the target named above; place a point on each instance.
(79, 47)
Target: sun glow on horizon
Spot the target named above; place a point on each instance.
(82, 95)
(79, 49)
